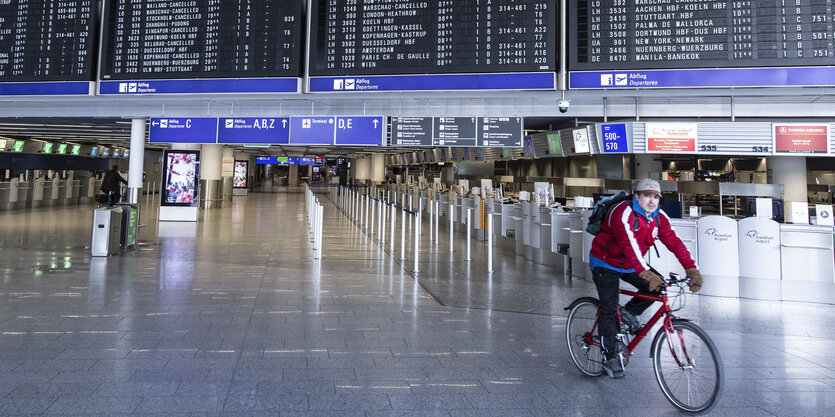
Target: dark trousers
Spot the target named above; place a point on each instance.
(113, 198)
(608, 284)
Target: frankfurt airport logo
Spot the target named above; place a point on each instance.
(618, 80)
(127, 87)
(345, 84)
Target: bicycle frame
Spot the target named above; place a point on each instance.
(664, 310)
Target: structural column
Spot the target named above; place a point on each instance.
(211, 165)
(791, 172)
(137, 159)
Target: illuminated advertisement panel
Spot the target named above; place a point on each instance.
(180, 182)
(239, 178)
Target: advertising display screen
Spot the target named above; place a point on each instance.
(350, 37)
(635, 34)
(18, 146)
(180, 181)
(47, 40)
(241, 172)
(801, 138)
(159, 39)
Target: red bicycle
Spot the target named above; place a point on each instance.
(686, 361)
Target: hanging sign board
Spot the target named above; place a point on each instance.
(671, 137)
(801, 138)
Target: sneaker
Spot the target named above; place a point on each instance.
(613, 368)
(630, 320)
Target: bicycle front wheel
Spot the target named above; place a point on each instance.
(688, 367)
(578, 328)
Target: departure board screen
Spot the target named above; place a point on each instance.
(657, 34)
(201, 39)
(382, 37)
(47, 40)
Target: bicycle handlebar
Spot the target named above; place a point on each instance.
(675, 280)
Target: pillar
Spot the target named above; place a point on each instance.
(137, 159)
(378, 168)
(211, 166)
(362, 168)
(791, 172)
(227, 172)
(293, 176)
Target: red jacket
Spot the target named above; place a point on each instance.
(621, 246)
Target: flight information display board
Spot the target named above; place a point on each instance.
(457, 131)
(47, 40)
(654, 34)
(395, 37)
(163, 39)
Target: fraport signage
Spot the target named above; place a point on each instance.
(313, 130)
(613, 138)
(435, 82)
(704, 78)
(254, 130)
(183, 130)
(200, 86)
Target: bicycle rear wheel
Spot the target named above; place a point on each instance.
(688, 367)
(581, 321)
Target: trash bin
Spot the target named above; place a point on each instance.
(130, 225)
(107, 226)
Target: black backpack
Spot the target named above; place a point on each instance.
(603, 207)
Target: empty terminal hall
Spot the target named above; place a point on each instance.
(317, 208)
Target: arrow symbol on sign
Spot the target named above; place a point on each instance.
(376, 122)
(284, 123)
(154, 123)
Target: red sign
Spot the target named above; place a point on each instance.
(801, 138)
(671, 137)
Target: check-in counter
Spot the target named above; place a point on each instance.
(444, 205)
(576, 246)
(497, 218)
(423, 202)
(807, 257)
(65, 192)
(5, 195)
(665, 261)
(76, 191)
(511, 226)
(24, 195)
(759, 258)
(719, 256)
(39, 192)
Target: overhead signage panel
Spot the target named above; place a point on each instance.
(254, 130)
(671, 137)
(161, 39)
(704, 78)
(528, 150)
(613, 138)
(637, 35)
(246, 85)
(499, 132)
(183, 130)
(554, 144)
(581, 140)
(266, 160)
(360, 131)
(454, 131)
(312, 130)
(446, 45)
(411, 131)
(47, 40)
(801, 138)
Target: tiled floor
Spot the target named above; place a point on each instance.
(233, 316)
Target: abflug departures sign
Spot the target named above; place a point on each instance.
(655, 34)
(46, 40)
(700, 44)
(396, 37)
(163, 39)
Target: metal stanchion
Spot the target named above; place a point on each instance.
(417, 238)
(367, 211)
(451, 214)
(393, 221)
(437, 222)
(383, 208)
(403, 235)
(469, 231)
(431, 219)
(490, 243)
(372, 208)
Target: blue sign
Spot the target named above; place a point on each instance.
(252, 130)
(699, 78)
(67, 88)
(235, 85)
(360, 131)
(435, 82)
(312, 130)
(266, 160)
(183, 130)
(613, 138)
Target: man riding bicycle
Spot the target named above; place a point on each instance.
(617, 252)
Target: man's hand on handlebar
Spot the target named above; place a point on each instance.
(695, 278)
